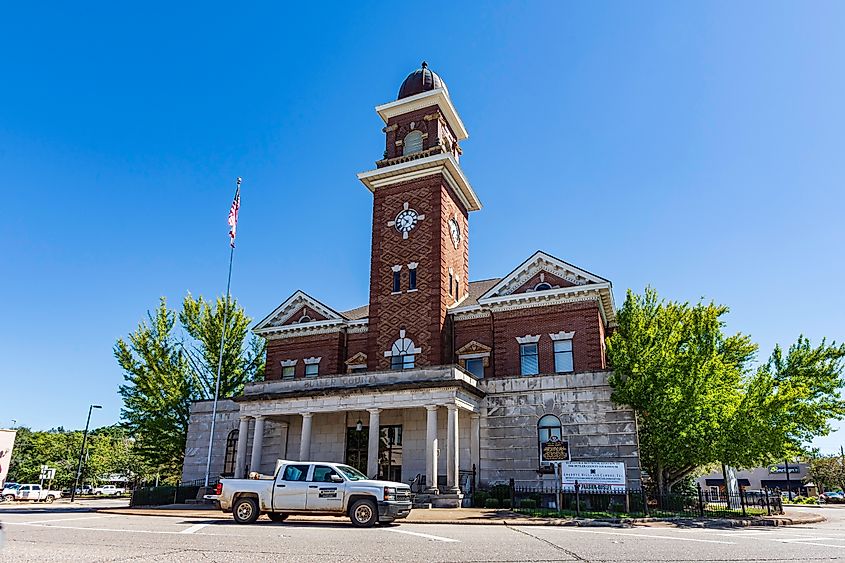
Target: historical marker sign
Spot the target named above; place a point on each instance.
(555, 450)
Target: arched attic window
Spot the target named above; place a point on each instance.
(413, 142)
(543, 286)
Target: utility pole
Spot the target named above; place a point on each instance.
(82, 452)
(788, 482)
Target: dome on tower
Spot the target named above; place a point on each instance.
(419, 81)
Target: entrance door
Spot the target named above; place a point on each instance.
(356, 448)
(390, 453)
(291, 487)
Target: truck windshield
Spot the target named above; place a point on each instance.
(351, 473)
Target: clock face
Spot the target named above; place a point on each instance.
(406, 220)
(455, 232)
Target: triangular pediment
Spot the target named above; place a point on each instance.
(542, 268)
(358, 359)
(298, 308)
(473, 347)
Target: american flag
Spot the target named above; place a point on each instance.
(233, 214)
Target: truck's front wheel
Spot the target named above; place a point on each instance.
(363, 514)
(9, 498)
(245, 511)
(49, 499)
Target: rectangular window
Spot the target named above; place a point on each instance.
(475, 366)
(396, 282)
(402, 362)
(295, 473)
(312, 370)
(288, 372)
(563, 356)
(451, 290)
(359, 369)
(412, 278)
(528, 359)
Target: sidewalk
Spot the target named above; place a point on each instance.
(485, 516)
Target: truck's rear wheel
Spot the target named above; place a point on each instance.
(245, 511)
(276, 516)
(363, 513)
(49, 499)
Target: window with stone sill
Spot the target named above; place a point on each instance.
(397, 282)
(475, 366)
(405, 361)
(229, 458)
(312, 370)
(413, 142)
(412, 279)
(288, 372)
(547, 427)
(528, 359)
(563, 356)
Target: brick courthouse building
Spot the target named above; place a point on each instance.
(438, 374)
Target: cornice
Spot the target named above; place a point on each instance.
(443, 163)
(437, 97)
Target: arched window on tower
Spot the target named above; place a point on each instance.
(403, 353)
(548, 427)
(413, 142)
(231, 453)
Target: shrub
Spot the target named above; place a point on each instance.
(491, 503)
(479, 498)
(500, 491)
(582, 504)
(528, 503)
(505, 502)
(615, 507)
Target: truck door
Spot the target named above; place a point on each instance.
(290, 488)
(323, 492)
(24, 492)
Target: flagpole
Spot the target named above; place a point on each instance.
(222, 343)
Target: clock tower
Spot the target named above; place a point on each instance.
(420, 247)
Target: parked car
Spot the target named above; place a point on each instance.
(108, 490)
(834, 497)
(314, 488)
(32, 493)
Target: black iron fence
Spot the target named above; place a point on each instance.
(168, 494)
(612, 502)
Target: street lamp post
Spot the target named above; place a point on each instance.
(788, 481)
(82, 452)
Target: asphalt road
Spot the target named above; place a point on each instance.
(77, 534)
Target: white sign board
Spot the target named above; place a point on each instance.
(7, 444)
(604, 474)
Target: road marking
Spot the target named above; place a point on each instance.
(421, 535)
(119, 530)
(68, 519)
(194, 528)
(635, 535)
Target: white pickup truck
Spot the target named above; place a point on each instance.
(31, 492)
(300, 487)
(108, 490)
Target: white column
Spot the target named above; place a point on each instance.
(431, 448)
(305, 440)
(284, 427)
(474, 442)
(240, 458)
(373, 444)
(452, 451)
(257, 444)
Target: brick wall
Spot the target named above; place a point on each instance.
(326, 346)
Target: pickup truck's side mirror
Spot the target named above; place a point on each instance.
(335, 478)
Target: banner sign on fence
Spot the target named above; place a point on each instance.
(7, 444)
(555, 450)
(593, 474)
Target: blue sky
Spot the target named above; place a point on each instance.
(694, 147)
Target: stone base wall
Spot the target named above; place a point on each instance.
(196, 445)
(597, 429)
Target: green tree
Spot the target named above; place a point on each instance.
(243, 353)
(674, 366)
(828, 472)
(697, 399)
(167, 367)
(158, 391)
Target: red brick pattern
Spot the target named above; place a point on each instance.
(549, 278)
(303, 311)
(326, 346)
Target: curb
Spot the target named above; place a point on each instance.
(510, 521)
